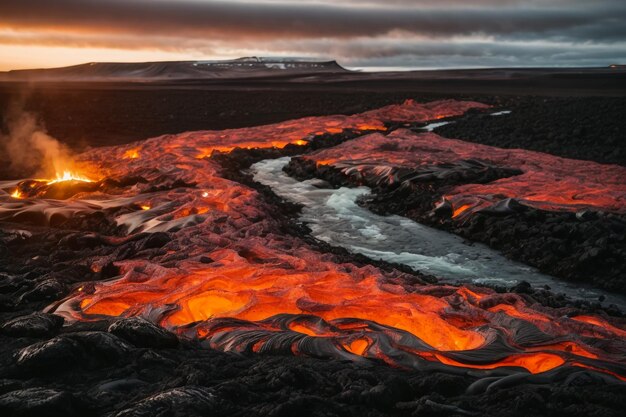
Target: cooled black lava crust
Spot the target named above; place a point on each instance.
(135, 369)
(590, 128)
(132, 368)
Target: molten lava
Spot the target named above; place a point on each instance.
(543, 181)
(131, 154)
(64, 186)
(231, 277)
(68, 176)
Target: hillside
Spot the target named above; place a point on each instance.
(251, 67)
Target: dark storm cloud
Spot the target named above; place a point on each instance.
(303, 19)
(420, 53)
(357, 32)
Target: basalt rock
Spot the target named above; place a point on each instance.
(33, 325)
(571, 127)
(39, 402)
(142, 333)
(184, 401)
(52, 355)
(81, 350)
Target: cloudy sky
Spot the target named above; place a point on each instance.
(358, 33)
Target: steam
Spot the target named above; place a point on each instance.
(28, 146)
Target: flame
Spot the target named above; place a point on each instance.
(145, 207)
(16, 193)
(68, 176)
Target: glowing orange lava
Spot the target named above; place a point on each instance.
(68, 176)
(131, 154)
(545, 181)
(233, 279)
(458, 211)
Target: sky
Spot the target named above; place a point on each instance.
(367, 34)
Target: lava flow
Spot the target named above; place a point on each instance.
(63, 186)
(532, 178)
(68, 176)
(229, 275)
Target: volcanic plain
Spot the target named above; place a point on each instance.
(164, 280)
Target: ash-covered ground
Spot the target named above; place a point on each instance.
(131, 367)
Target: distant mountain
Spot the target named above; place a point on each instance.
(177, 70)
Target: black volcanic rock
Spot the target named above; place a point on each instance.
(571, 127)
(142, 333)
(183, 401)
(113, 378)
(38, 402)
(154, 241)
(522, 288)
(101, 346)
(73, 350)
(51, 355)
(33, 325)
(50, 289)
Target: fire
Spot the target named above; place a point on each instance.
(145, 207)
(68, 176)
(53, 189)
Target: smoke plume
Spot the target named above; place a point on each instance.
(29, 149)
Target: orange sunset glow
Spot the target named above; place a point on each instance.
(323, 208)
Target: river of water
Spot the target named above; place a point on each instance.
(334, 217)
